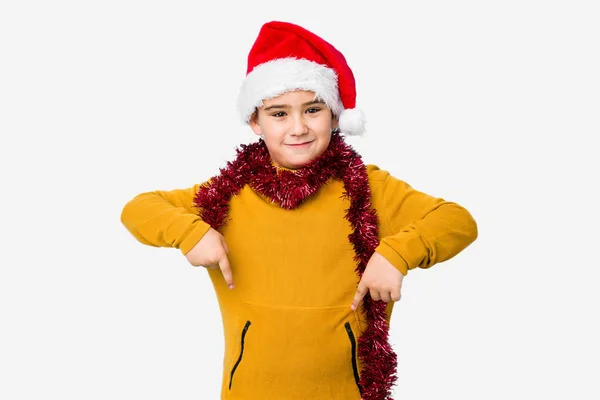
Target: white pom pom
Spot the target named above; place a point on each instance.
(352, 122)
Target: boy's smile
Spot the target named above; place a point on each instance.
(296, 127)
(300, 145)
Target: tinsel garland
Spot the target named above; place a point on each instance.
(289, 189)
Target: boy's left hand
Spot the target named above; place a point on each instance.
(381, 279)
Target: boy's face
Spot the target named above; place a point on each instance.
(296, 128)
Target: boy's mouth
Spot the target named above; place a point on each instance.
(300, 144)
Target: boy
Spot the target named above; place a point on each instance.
(297, 220)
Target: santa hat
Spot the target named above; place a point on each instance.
(287, 57)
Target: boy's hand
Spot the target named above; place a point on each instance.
(381, 279)
(211, 252)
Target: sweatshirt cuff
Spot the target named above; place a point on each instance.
(404, 250)
(394, 258)
(198, 231)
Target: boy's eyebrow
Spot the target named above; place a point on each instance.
(308, 103)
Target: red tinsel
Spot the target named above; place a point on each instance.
(289, 189)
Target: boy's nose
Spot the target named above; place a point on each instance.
(298, 127)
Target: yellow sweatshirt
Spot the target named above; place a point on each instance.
(289, 330)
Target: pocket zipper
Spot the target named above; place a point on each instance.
(354, 366)
(241, 353)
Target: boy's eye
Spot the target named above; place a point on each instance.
(282, 114)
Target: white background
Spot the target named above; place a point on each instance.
(492, 105)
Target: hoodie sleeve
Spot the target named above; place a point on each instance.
(422, 230)
(165, 219)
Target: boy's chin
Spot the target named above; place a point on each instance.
(299, 162)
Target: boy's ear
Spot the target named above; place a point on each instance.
(334, 121)
(255, 125)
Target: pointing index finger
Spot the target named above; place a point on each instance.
(226, 270)
(360, 294)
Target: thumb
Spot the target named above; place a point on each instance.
(360, 294)
(226, 270)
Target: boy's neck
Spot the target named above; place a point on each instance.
(281, 168)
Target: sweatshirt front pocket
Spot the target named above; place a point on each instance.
(295, 353)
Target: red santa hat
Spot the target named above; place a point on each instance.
(287, 57)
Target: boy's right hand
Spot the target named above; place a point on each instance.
(211, 252)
